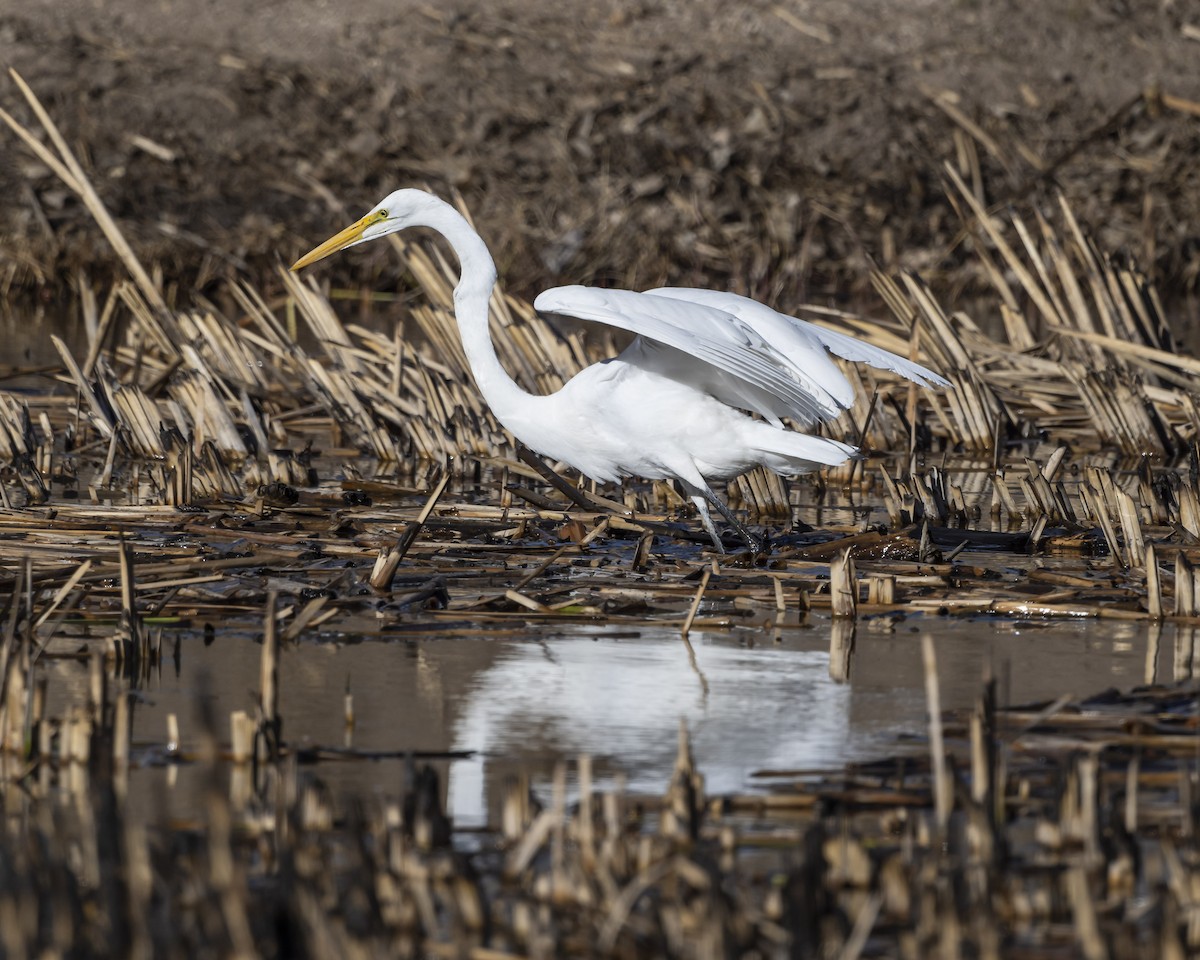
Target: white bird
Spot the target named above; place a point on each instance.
(678, 402)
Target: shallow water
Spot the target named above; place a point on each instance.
(523, 700)
(752, 704)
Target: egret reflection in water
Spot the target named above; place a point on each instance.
(746, 708)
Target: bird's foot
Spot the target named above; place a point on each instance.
(759, 548)
(736, 541)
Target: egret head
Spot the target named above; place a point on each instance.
(404, 208)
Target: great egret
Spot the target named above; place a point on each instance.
(674, 404)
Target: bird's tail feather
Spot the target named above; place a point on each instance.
(788, 452)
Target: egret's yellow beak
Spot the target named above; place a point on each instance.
(339, 241)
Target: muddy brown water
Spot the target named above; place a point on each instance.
(758, 703)
(753, 705)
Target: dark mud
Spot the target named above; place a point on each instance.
(768, 148)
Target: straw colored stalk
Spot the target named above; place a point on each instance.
(68, 169)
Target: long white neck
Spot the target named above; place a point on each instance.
(478, 277)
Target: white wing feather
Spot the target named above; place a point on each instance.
(768, 381)
(797, 338)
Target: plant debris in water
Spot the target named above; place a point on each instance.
(183, 467)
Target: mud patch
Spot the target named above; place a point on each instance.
(772, 149)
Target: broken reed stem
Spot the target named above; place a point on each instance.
(640, 559)
(528, 602)
(241, 737)
(843, 585)
(62, 594)
(546, 565)
(942, 795)
(864, 923)
(269, 680)
(881, 588)
(1154, 604)
(130, 623)
(69, 170)
(386, 565)
(695, 607)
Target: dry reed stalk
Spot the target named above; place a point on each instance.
(68, 169)
(527, 602)
(1083, 906)
(1068, 291)
(843, 585)
(881, 590)
(1185, 587)
(1131, 527)
(241, 737)
(943, 795)
(270, 723)
(386, 566)
(99, 414)
(640, 559)
(696, 601)
(1154, 604)
(310, 615)
(131, 624)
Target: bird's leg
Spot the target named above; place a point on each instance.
(706, 519)
(755, 544)
(706, 493)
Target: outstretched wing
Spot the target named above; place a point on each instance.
(801, 340)
(746, 370)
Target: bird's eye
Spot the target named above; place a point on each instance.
(380, 214)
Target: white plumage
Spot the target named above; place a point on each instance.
(677, 402)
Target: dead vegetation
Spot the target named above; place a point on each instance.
(1036, 830)
(770, 148)
(193, 453)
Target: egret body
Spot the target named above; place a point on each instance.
(678, 402)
